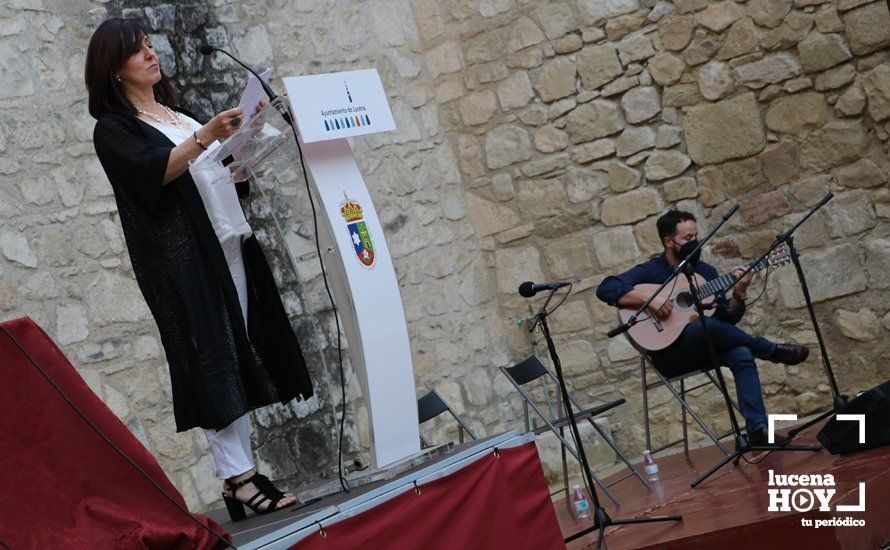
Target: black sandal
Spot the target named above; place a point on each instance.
(265, 492)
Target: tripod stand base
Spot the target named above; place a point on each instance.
(742, 446)
(601, 520)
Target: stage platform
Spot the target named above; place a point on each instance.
(295, 526)
(729, 510)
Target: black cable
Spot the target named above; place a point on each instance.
(4, 545)
(111, 443)
(343, 484)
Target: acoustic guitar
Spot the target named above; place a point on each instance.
(653, 334)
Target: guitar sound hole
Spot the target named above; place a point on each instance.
(685, 299)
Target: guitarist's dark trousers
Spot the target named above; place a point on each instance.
(736, 349)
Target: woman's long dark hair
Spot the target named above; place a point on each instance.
(114, 41)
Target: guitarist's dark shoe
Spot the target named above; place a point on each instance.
(789, 354)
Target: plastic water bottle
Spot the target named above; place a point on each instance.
(651, 466)
(579, 503)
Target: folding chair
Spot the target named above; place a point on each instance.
(432, 405)
(532, 369)
(681, 397)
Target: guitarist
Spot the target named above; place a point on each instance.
(735, 348)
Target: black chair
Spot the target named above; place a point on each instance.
(532, 369)
(680, 396)
(432, 405)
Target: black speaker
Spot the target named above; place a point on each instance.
(843, 437)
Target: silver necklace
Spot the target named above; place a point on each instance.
(174, 119)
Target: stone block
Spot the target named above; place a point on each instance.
(850, 213)
(622, 177)
(478, 107)
(877, 263)
(765, 207)
(675, 32)
(868, 28)
(550, 140)
(768, 13)
(681, 95)
(488, 217)
(515, 91)
(715, 80)
(851, 102)
(836, 143)
(769, 70)
(836, 77)
(736, 177)
(444, 59)
(557, 19)
(646, 234)
(718, 16)
(664, 164)
(522, 34)
(597, 66)
(822, 51)
(615, 246)
(794, 114)
(557, 80)
(680, 188)
(741, 39)
(594, 120)
(583, 184)
(631, 206)
(701, 50)
(595, 11)
(71, 324)
(505, 145)
(541, 198)
(731, 128)
(810, 191)
(844, 277)
(666, 68)
(16, 248)
(827, 19)
(621, 26)
(592, 151)
(862, 173)
(634, 139)
(641, 104)
(635, 47)
(876, 85)
(516, 265)
(779, 163)
(862, 325)
(569, 256)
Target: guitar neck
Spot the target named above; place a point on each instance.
(726, 280)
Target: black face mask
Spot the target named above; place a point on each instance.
(687, 249)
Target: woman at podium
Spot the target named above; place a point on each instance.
(227, 338)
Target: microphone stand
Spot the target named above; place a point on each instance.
(839, 401)
(742, 445)
(601, 518)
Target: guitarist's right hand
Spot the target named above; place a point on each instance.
(662, 305)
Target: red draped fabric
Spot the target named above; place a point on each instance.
(496, 502)
(61, 485)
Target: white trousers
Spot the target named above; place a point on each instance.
(230, 446)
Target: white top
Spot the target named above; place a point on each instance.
(216, 187)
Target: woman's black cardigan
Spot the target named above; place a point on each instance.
(219, 370)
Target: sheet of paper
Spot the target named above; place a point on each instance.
(252, 95)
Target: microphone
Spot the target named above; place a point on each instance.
(207, 49)
(529, 289)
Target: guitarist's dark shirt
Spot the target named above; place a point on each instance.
(656, 271)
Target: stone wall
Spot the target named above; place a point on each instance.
(536, 140)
